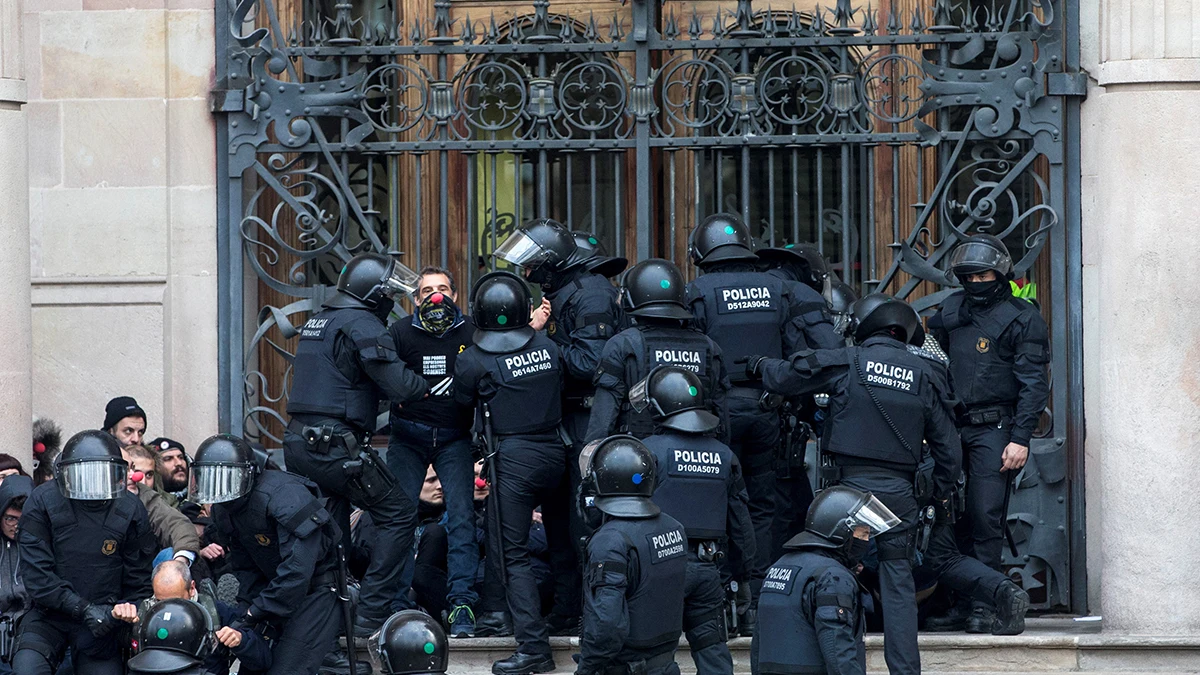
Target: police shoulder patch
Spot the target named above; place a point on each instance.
(667, 545)
(780, 579)
(109, 547)
(262, 539)
(983, 345)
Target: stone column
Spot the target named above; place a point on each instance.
(1141, 179)
(16, 385)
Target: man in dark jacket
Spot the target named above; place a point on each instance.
(86, 548)
(14, 600)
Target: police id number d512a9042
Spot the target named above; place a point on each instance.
(745, 299)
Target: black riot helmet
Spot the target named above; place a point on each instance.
(175, 635)
(622, 473)
(90, 467)
(591, 255)
(654, 288)
(834, 514)
(802, 262)
(676, 399)
(223, 470)
(543, 247)
(370, 279)
(410, 642)
(841, 304)
(721, 237)
(501, 308)
(980, 253)
(878, 312)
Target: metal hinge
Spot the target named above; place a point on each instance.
(1067, 84)
(227, 100)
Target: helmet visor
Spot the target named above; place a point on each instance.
(876, 516)
(401, 280)
(92, 480)
(973, 257)
(378, 659)
(220, 483)
(842, 322)
(521, 250)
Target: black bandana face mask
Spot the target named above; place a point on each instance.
(856, 549)
(986, 292)
(437, 314)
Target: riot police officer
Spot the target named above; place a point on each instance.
(746, 311)
(176, 637)
(884, 401)
(346, 363)
(274, 523)
(633, 610)
(511, 381)
(590, 252)
(652, 293)
(804, 270)
(810, 615)
(584, 312)
(998, 347)
(584, 309)
(699, 484)
(410, 643)
(86, 548)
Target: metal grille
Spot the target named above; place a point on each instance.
(884, 134)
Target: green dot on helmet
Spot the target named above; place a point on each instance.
(502, 319)
(692, 391)
(429, 648)
(665, 283)
(593, 241)
(728, 229)
(162, 633)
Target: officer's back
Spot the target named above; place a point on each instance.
(635, 567)
(810, 616)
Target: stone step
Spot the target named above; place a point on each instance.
(1048, 646)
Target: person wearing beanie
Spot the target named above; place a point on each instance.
(172, 465)
(125, 420)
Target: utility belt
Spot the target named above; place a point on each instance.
(578, 403)
(707, 550)
(767, 401)
(642, 666)
(833, 470)
(793, 445)
(368, 479)
(323, 580)
(986, 414)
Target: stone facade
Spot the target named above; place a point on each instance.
(1141, 159)
(122, 210)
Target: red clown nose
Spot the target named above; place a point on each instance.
(39, 448)
(137, 476)
(436, 298)
(480, 483)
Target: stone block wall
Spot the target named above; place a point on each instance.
(122, 210)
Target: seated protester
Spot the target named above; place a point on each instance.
(175, 639)
(86, 547)
(431, 573)
(172, 530)
(171, 462)
(14, 600)
(173, 581)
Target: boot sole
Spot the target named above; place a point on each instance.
(543, 667)
(1018, 605)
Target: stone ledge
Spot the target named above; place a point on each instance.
(98, 291)
(13, 91)
(1149, 71)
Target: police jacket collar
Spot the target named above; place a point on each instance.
(883, 340)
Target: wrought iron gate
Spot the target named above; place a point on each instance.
(882, 133)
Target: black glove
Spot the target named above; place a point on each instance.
(98, 619)
(250, 617)
(754, 366)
